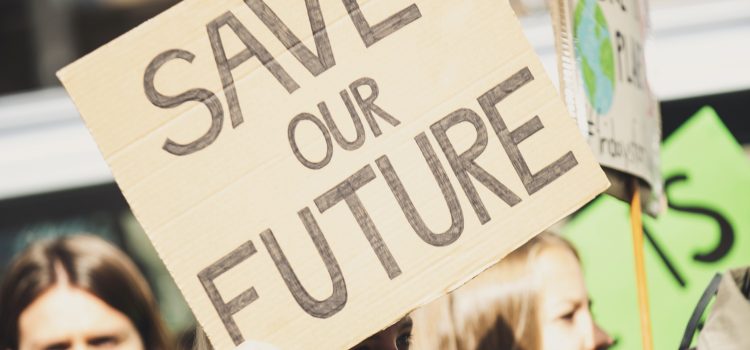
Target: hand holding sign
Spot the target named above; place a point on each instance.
(449, 147)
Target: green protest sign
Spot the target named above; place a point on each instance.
(705, 230)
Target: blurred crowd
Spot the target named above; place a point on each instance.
(81, 292)
(61, 289)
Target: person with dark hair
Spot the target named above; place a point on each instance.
(78, 292)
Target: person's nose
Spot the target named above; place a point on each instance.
(602, 340)
(79, 345)
(595, 338)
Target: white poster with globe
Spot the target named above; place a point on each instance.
(603, 78)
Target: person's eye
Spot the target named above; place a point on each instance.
(568, 317)
(103, 341)
(57, 346)
(403, 341)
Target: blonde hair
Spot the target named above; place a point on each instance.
(498, 309)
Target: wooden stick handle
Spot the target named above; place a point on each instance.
(640, 266)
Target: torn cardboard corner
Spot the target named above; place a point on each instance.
(307, 191)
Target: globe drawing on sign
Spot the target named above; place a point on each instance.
(594, 54)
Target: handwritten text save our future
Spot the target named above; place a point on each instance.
(462, 164)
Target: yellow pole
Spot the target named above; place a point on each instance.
(640, 266)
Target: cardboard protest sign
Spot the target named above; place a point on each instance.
(308, 190)
(706, 230)
(603, 79)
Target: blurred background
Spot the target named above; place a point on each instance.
(53, 181)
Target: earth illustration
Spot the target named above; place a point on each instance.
(594, 54)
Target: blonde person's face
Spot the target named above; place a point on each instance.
(565, 315)
(69, 318)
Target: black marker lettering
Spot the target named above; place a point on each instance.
(367, 105)
(664, 257)
(253, 49)
(315, 64)
(620, 43)
(372, 34)
(199, 95)
(511, 140)
(465, 163)
(226, 310)
(347, 191)
(407, 206)
(316, 308)
(359, 140)
(293, 141)
(726, 233)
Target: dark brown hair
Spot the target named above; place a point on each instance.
(89, 263)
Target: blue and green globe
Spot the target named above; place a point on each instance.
(594, 54)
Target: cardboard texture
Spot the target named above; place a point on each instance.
(706, 230)
(601, 62)
(284, 218)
